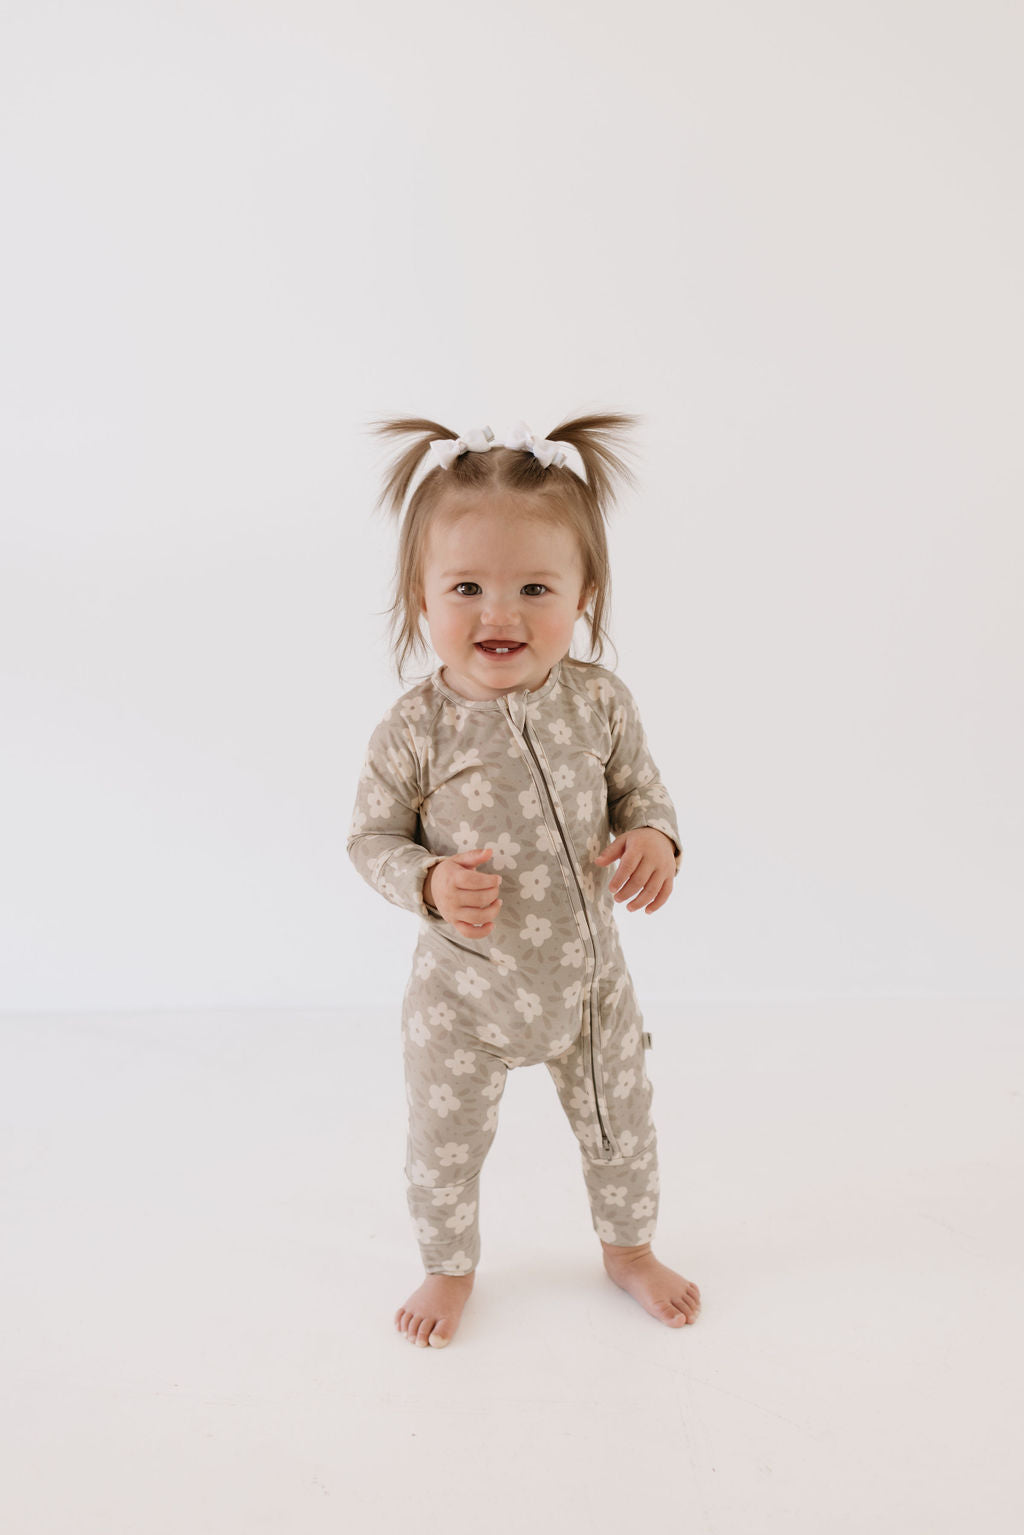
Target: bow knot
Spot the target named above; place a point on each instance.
(480, 439)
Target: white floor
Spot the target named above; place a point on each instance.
(204, 1239)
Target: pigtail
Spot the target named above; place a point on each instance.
(601, 463)
(398, 476)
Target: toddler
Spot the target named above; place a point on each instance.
(485, 805)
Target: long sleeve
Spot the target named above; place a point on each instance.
(383, 841)
(636, 794)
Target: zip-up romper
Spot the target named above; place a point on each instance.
(546, 779)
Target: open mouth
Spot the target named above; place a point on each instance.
(499, 650)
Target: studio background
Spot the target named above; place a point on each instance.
(782, 235)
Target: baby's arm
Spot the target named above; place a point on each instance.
(383, 841)
(636, 795)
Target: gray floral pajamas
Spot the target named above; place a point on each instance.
(546, 779)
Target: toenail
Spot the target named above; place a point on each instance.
(438, 1342)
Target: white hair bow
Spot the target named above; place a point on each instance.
(548, 452)
(481, 439)
(477, 440)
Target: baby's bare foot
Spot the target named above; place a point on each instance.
(431, 1314)
(660, 1290)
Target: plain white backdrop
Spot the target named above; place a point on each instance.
(790, 237)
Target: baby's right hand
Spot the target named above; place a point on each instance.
(464, 897)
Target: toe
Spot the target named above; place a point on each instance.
(439, 1339)
(423, 1332)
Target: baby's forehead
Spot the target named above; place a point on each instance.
(501, 531)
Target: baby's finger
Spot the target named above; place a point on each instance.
(661, 897)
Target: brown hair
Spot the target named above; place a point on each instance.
(577, 504)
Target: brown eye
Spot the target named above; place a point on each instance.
(466, 583)
(539, 584)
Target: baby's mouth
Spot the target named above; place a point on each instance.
(500, 647)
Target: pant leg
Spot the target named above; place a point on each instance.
(454, 1085)
(623, 1190)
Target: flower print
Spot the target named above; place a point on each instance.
(442, 1099)
(358, 823)
(615, 995)
(586, 1134)
(604, 1229)
(494, 1086)
(462, 1063)
(458, 1263)
(615, 1194)
(462, 1218)
(416, 1030)
(534, 882)
(556, 1076)
(468, 758)
(529, 802)
(527, 1003)
(642, 1207)
(621, 776)
(378, 802)
(442, 1016)
(644, 1161)
(628, 1141)
(514, 1061)
(585, 805)
(659, 795)
(545, 842)
(587, 882)
(583, 709)
(626, 1082)
(466, 838)
(503, 963)
(560, 1045)
(535, 930)
(478, 792)
(571, 994)
(491, 1119)
(491, 1034)
(564, 777)
(423, 1175)
(653, 1182)
(504, 851)
(425, 1232)
(411, 709)
(425, 963)
(646, 1233)
(572, 953)
(630, 1040)
(451, 1153)
(448, 1195)
(582, 1097)
(455, 714)
(560, 732)
(471, 983)
(600, 689)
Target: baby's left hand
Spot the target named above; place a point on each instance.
(648, 868)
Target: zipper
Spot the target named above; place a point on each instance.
(536, 769)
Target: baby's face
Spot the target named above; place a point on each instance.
(501, 571)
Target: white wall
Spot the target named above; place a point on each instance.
(789, 235)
